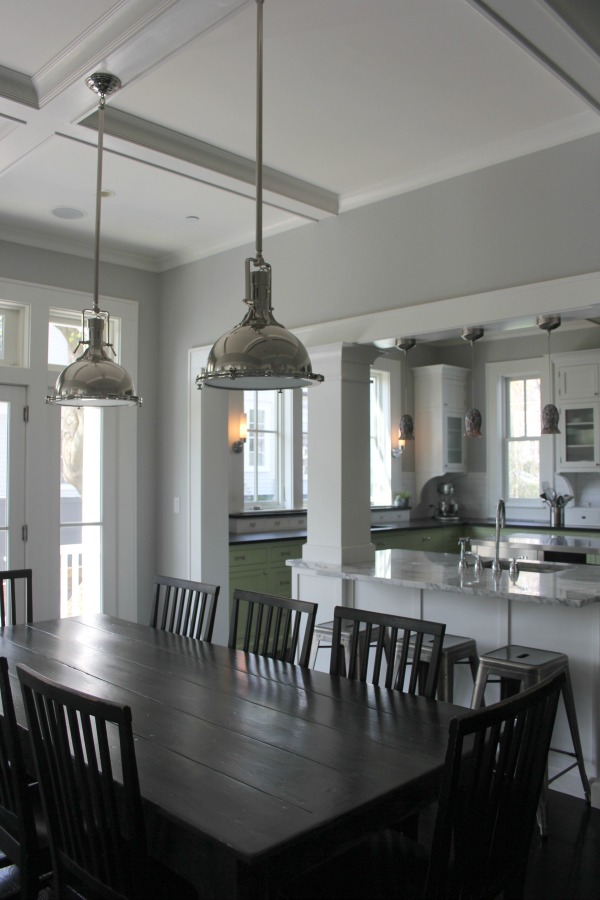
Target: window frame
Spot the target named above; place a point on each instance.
(495, 430)
(380, 393)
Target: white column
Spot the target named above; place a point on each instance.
(339, 509)
(209, 490)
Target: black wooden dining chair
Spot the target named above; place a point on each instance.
(23, 834)
(272, 626)
(16, 596)
(184, 607)
(95, 818)
(388, 650)
(493, 773)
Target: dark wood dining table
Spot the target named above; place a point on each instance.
(250, 769)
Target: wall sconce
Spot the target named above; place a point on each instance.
(238, 446)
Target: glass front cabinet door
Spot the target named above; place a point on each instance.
(579, 438)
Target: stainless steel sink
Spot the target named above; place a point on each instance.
(529, 565)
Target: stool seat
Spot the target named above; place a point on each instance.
(455, 649)
(528, 666)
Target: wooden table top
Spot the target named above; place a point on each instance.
(248, 767)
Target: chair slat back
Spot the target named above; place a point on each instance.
(494, 771)
(86, 766)
(184, 607)
(18, 836)
(16, 600)
(372, 656)
(272, 626)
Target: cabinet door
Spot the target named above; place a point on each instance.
(579, 437)
(454, 455)
(578, 382)
(279, 581)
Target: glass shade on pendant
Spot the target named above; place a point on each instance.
(473, 421)
(259, 354)
(407, 428)
(550, 416)
(94, 379)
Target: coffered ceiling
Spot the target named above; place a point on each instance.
(363, 99)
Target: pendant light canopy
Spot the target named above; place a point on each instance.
(473, 416)
(259, 353)
(94, 379)
(550, 413)
(406, 430)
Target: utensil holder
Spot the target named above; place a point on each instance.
(557, 517)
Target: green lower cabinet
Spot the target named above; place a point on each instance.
(261, 566)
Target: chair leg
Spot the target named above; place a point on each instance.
(569, 702)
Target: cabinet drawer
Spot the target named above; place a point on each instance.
(248, 556)
(278, 552)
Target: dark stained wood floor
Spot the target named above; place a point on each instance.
(564, 867)
(567, 865)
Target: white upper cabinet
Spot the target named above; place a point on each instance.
(577, 393)
(577, 380)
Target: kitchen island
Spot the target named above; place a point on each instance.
(555, 607)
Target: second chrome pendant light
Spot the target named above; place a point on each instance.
(259, 353)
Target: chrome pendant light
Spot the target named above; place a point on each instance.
(94, 379)
(406, 429)
(550, 412)
(259, 353)
(473, 416)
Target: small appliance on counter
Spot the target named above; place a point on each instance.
(447, 507)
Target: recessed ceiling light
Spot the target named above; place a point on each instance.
(68, 212)
(107, 193)
(192, 219)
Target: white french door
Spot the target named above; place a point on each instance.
(13, 400)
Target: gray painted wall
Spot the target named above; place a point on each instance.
(531, 219)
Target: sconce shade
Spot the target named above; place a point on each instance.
(94, 379)
(473, 421)
(550, 416)
(407, 428)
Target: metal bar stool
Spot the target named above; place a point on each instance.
(528, 665)
(323, 634)
(455, 650)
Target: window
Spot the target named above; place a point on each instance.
(304, 395)
(80, 511)
(65, 332)
(14, 326)
(263, 457)
(519, 460)
(522, 456)
(381, 471)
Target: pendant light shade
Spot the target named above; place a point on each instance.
(406, 430)
(473, 417)
(550, 414)
(259, 353)
(94, 379)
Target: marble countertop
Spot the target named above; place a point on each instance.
(566, 585)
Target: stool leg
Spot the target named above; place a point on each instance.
(569, 702)
(480, 682)
(314, 649)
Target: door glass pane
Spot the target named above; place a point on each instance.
(4, 410)
(454, 427)
(81, 511)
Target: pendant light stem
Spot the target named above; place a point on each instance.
(98, 203)
(259, 126)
